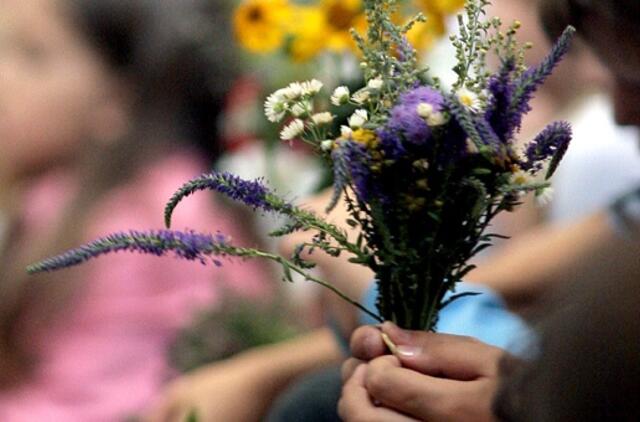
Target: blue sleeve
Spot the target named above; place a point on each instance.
(483, 316)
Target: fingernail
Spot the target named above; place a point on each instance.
(408, 351)
(396, 333)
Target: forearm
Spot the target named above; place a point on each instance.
(283, 362)
(537, 262)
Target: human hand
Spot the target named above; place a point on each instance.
(357, 405)
(225, 391)
(430, 377)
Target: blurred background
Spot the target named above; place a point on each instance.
(108, 106)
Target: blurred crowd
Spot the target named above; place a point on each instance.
(108, 106)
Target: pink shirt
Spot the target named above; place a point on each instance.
(105, 357)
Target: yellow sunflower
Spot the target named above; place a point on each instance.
(260, 25)
(423, 34)
(441, 7)
(340, 16)
(307, 33)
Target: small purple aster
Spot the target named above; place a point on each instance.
(404, 120)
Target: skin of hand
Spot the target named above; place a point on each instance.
(587, 250)
(434, 377)
(243, 387)
(351, 279)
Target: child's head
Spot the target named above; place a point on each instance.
(80, 74)
(53, 87)
(610, 27)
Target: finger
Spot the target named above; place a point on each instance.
(366, 343)
(348, 368)
(444, 355)
(355, 404)
(167, 412)
(423, 396)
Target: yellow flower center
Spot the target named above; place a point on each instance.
(255, 14)
(340, 17)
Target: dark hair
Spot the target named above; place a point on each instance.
(175, 54)
(555, 15)
(586, 365)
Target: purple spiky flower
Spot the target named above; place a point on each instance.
(188, 245)
(250, 192)
(527, 84)
(553, 143)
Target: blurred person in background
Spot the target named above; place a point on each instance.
(106, 107)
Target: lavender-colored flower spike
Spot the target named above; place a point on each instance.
(405, 50)
(187, 245)
(501, 87)
(340, 174)
(553, 143)
(358, 160)
(529, 82)
(251, 192)
(480, 133)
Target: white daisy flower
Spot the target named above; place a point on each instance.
(472, 148)
(322, 118)
(361, 96)
(436, 119)
(424, 110)
(422, 164)
(521, 178)
(293, 91)
(326, 145)
(358, 118)
(345, 132)
(275, 107)
(302, 108)
(311, 87)
(545, 196)
(375, 83)
(292, 130)
(340, 96)
(469, 99)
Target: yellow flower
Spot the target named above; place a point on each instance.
(307, 33)
(365, 137)
(259, 25)
(423, 34)
(340, 17)
(441, 7)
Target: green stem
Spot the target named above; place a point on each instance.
(288, 264)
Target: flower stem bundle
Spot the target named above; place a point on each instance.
(422, 169)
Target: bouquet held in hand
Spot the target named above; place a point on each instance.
(423, 168)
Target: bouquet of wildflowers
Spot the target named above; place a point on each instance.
(423, 169)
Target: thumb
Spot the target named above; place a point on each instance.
(443, 355)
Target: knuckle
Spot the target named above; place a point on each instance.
(375, 382)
